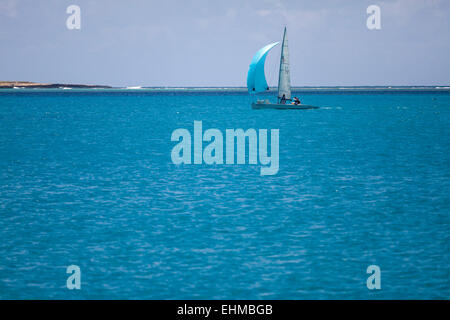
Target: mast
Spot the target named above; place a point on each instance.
(284, 79)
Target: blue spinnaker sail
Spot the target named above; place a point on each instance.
(256, 79)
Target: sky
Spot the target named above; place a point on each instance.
(211, 42)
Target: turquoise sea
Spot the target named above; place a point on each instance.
(86, 179)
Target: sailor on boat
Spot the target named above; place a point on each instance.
(296, 101)
(283, 99)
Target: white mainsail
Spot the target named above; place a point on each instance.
(284, 80)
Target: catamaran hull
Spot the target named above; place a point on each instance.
(282, 106)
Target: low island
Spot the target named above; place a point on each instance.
(33, 85)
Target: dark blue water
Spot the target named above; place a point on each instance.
(87, 179)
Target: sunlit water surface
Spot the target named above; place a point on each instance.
(86, 178)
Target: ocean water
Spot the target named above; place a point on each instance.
(86, 179)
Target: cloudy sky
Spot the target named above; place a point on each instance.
(211, 42)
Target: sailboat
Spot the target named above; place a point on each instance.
(256, 79)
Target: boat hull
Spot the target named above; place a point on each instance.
(282, 106)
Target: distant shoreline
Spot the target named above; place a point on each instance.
(34, 85)
(300, 89)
